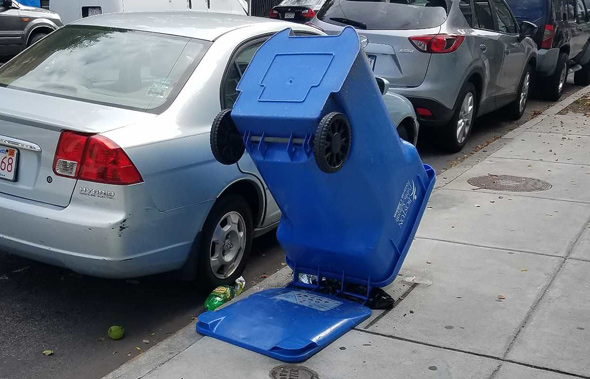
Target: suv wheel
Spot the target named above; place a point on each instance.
(36, 38)
(582, 77)
(553, 86)
(517, 107)
(226, 242)
(455, 133)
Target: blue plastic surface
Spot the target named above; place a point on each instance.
(356, 224)
(288, 324)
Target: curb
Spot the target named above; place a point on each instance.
(165, 350)
(175, 344)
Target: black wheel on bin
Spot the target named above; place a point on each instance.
(226, 142)
(332, 142)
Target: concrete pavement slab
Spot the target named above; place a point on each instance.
(566, 148)
(355, 355)
(461, 309)
(569, 182)
(513, 371)
(582, 248)
(567, 124)
(557, 335)
(504, 221)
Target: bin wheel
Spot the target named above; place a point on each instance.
(227, 144)
(332, 142)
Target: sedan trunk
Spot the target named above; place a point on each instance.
(32, 123)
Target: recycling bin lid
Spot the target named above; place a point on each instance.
(289, 324)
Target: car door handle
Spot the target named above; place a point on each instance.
(483, 47)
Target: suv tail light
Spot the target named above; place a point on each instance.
(548, 35)
(437, 43)
(93, 158)
(308, 13)
(273, 14)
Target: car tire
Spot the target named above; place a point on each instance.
(454, 135)
(582, 77)
(225, 243)
(36, 38)
(517, 107)
(552, 87)
(403, 133)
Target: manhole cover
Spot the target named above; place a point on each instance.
(292, 372)
(509, 183)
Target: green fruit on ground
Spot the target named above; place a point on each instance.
(116, 332)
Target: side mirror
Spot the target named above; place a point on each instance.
(527, 29)
(383, 85)
(7, 3)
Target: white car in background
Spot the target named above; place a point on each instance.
(72, 10)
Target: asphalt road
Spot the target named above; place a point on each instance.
(44, 307)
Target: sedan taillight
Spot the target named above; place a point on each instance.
(308, 13)
(93, 158)
(273, 14)
(437, 43)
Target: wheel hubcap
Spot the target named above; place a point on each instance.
(562, 78)
(465, 118)
(227, 245)
(524, 92)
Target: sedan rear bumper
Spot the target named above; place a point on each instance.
(111, 241)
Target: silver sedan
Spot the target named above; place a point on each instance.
(105, 159)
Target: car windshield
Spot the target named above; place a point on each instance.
(385, 15)
(300, 3)
(527, 10)
(123, 68)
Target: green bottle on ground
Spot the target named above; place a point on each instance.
(223, 294)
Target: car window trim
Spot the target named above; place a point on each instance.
(511, 16)
(494, 20)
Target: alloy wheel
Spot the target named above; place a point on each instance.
(465, 117)
(227, 245)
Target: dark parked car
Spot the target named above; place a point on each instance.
(296, 10)
(22, 26)
(562, 38)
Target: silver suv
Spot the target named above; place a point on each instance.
(453, 59)
(22, 26)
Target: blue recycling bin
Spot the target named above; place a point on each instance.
(351, 192)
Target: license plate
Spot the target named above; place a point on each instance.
(372, 60)
(8, 163)
(290, 15)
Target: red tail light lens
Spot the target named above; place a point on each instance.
(309, 13)
(548, 35)
(93, 158)
(274, 14)
(437, 43)
(423, 112)
(69, 154)
(106, 162)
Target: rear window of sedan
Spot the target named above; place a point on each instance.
(118, 67)
(385, 15)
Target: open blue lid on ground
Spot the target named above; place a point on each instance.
(288, 324)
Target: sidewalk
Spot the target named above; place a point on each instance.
(496, 284)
